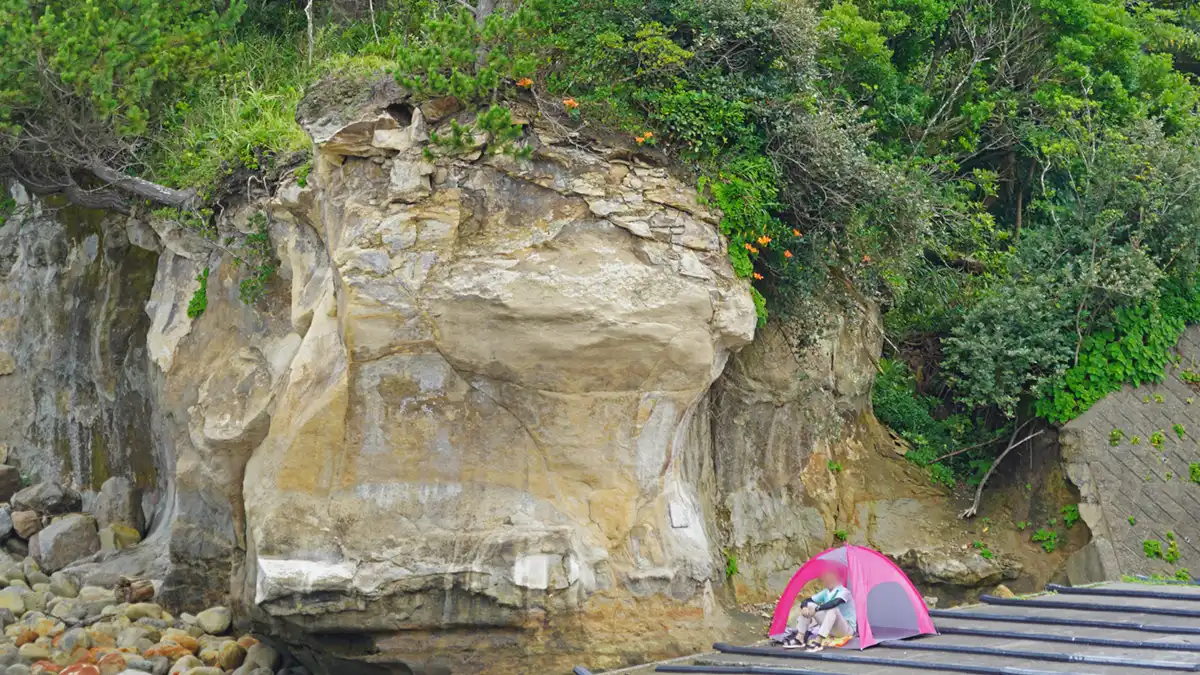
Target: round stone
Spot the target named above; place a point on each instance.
(215, 621)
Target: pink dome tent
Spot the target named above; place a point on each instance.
(888, 606)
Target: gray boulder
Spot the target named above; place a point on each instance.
(64, 585)
(6, 522)
(16, 547)
(11, 600)
(261, 656)
(50, 498)
(138, 664)
(120, 503)
(65, 540)
(68, 610)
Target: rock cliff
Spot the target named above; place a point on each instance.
(481, 419)
(496, 414)
(470, 416)
(74, 378)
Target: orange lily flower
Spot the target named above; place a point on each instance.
(570, 103)
(524, 82)
(787, 254)
(758, 276)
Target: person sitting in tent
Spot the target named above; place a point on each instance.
(884, 606)
(828, 614)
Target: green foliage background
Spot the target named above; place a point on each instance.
(1017, 182)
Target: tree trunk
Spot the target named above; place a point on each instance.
(308, 14)
(160, 194)
(484, 9)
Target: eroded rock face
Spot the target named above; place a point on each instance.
(497, 416)
(790, 404)
(74, 379)
(802, 465)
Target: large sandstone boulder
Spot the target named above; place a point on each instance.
(932, 567)
(473, 418)
(64, 541)
(26, 523)
(498, 414)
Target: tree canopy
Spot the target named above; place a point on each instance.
(1017, 182)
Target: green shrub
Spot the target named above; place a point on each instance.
(301, 173)
(1134, 348)
(1047, 538)
(703, 122)
(244, 119)
(1070, 514)
(760, 306)
(199, 301)
(8, 206)
(912, 415)
(1157, 439)
(731, 565)
(473, 60)
(1152, 548)
(984, 551)
(1171, 555)
(257, 256)
(121, 61)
